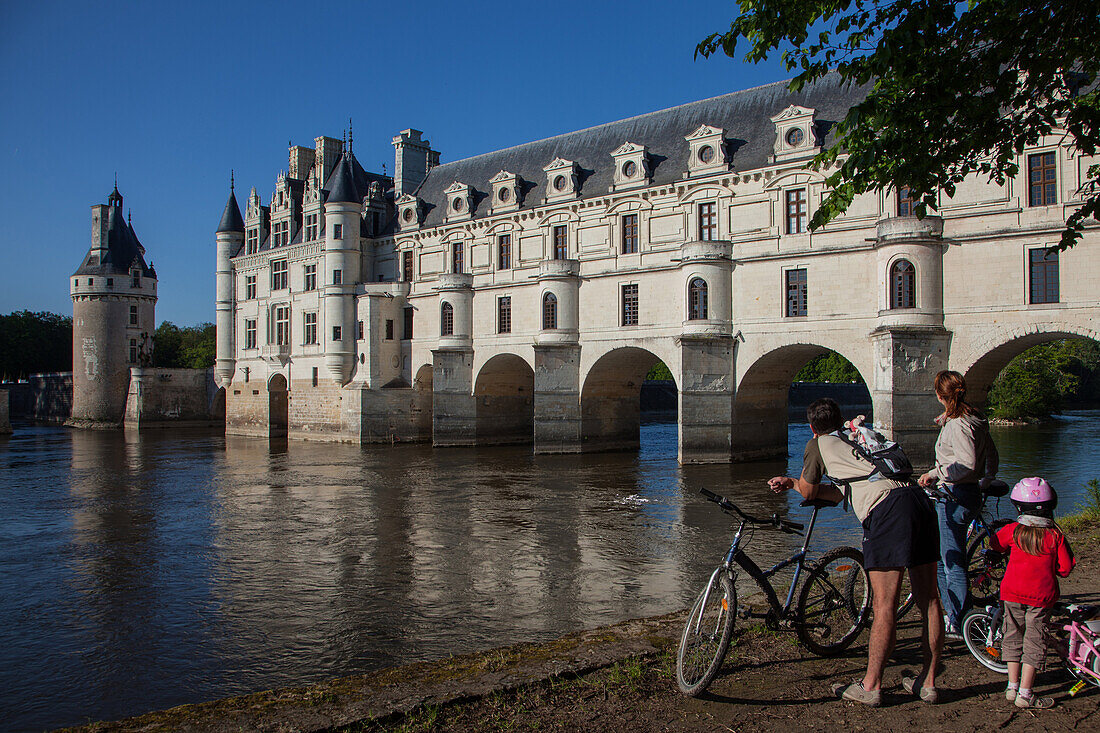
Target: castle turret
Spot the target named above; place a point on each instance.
(230, 236)
(342, 265)
(114, 295)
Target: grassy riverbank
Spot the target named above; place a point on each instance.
(621, 678)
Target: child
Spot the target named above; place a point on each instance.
(1039, 555)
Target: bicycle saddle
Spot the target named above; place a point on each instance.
(818, 503)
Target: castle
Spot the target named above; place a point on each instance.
(522, 295)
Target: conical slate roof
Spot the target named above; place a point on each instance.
(123, 251)
(342, 184)
(232, 221)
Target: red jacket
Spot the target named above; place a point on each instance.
(1033, 579)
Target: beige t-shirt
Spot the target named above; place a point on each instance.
(829, 455)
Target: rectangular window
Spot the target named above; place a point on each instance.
(278, 275)
(133, 351)
(561, 242)
(281, 232)
(249, 287)
(311, 227)
(1042, 187)
(309, 322)
(336, 333)
(630, 234)
(359, 330)
(337, 231)
(252, 241)
(504, 252)
(796, 292)
(457, 255)
(630, 305)
(504, 314)
(110, 282)
(389, 329)
(708, 222)
(282, 325)
(906, 202)
(796, 211)
(408, 322)
(314, 376)
(135, 279)
(1043, 276)
(407, 266)
(133, 315)
(250, 333)
(310, 277)
(337, 277)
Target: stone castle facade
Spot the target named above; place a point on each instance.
(522, 295)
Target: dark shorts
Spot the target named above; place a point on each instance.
(902, 531)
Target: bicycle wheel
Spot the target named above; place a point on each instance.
(706, 637)
(835, 601)
(983, 639)
(984, 567)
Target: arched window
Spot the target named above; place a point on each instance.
(903, 281)
(446, 320)
(549, 312)
(697, 299)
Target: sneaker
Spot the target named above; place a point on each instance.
(856, 693)
(1034, 701)
(928, 694)
(1010, 693)
(952, 633)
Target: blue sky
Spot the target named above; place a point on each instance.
(171, 96)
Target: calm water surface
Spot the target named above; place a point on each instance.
(144, 572)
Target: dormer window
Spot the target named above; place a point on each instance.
(252, 241)
(562, 181)
(135, 278)
(459, 201)
(408, 211)
(794, 133)
(631, 166)
(706, 151)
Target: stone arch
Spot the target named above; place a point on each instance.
(611, 399)
(760, 404)
(217, 406)
(988, 355)
(504, 393)
(278, 406)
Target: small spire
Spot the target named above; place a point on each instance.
(231, 181)
(349, 137)
(128, 221)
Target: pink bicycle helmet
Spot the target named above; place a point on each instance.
(1034, 496)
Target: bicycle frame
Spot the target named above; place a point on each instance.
(1080, 643)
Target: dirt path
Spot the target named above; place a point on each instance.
(621, 678)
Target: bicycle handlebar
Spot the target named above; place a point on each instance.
(728, 506)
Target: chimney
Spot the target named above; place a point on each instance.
(413, 158)
(301, 162)
(327, 153)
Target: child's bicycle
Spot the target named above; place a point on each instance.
(984, 567)
(1079, 648)
(833, 605)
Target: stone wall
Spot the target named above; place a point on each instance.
(246, 409)
(43, 397)
(162, 397)
(5, 423)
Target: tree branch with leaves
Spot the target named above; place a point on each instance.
(956, 89)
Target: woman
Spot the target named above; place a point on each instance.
(966, 459)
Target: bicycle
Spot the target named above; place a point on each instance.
(984, 566)
(832, 608)
(982, 631)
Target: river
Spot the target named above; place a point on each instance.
(145, 571)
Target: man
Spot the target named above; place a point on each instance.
(900, 532)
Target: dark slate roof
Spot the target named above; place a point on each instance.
(341, 186)
(232, 221)
(745, 116)
(123, 250)
(361, 180)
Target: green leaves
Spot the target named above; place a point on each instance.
(35, 343)
(191, 347)
(956, 90)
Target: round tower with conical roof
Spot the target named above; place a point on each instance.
(114, 294)
(342, 261)
(230, 236)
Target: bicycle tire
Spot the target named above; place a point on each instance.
(983, 641)
(834, 603)
(706, 636)
(985, 568)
